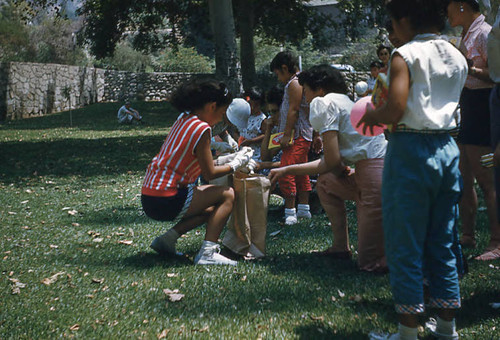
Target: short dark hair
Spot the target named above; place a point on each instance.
(422, 14)
(376, 63)
(383, 47)
(194, 94)
(323, 77)
(275, 96)
(472, 3)
(286, 58)
(254, 93)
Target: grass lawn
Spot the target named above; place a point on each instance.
(75, 258)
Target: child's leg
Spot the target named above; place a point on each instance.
(332, 193)
(219, 202)
(485, 179)
(468, 203)
(301, 151)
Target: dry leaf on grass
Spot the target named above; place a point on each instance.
(340, 293)
(72, 212)
(172, 275)
(201, 330)
(126, 242)
(173, 295)
(98, 239)
(75, 327)
(99, 281)
(16, 286)
(163, 334)
(317, 318)
(50, 280)
(274, 233)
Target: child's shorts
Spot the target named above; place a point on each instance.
(167, 208)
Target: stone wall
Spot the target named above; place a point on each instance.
(31, 89)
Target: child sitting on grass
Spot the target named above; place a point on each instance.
(421, 181)
(169, 192)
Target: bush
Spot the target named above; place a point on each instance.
(183, 59)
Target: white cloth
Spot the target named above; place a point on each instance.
(333, 113)
(494, 50)
(437, 76)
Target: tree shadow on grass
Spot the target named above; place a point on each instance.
(320, 330)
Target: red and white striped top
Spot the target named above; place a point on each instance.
(175, 165)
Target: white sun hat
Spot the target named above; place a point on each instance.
(361, 87)
(238, 113)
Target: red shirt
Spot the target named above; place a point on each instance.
(176, 166)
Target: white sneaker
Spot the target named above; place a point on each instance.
(209, 254)
(431, 326)
(165, 244)
(291, 219)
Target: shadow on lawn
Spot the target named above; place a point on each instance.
(320, 330)
(77, 157)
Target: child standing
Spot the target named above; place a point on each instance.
(421, 183)
(252, 135)
(169, 192)
(330, 109)
(294, 116)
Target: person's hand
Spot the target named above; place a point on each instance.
(221, 160)
(250, 167)
(368, 120)
(285, 141)
(240, 160)
(276, 174)
(317, 144)
(221, 147)
(344, 176)
(268, 123)
(232, 143)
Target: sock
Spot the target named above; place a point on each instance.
(407, 333)
(445, 327)
(290, 212)
(303, 207)
(207, 244)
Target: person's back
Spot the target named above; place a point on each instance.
(438, 71)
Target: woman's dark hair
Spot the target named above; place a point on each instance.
(254, 93)
(383, 47)
(275, 96)
(323, 77)
(376, 64)
(472, 3)
(422, 14)
(193, 95)
(285, 58)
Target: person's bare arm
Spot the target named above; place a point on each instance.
(295, 99)
(204, 155)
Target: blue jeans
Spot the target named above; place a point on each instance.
(421, 187)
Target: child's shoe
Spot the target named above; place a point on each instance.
(290, 216)
(404, 333)
(441, 331)
(209, 254)
(165, 244)
(303, 211)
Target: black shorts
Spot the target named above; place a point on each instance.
(475, 117)
(167, 208)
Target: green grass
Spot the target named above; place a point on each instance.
(70, 194)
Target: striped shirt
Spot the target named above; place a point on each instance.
(176, 164)
(302, 126)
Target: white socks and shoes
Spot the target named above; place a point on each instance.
(209, 254)
(303, 211)
(290, 216)
(441, 329)
(404, 333)
(165, 244)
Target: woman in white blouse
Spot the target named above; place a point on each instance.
(330, 108)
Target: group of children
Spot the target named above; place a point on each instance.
(406, 188)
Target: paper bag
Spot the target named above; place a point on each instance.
(247, 226)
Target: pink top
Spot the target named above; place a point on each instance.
(474, 47)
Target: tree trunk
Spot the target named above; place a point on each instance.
(247, 52)
(226, 59)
